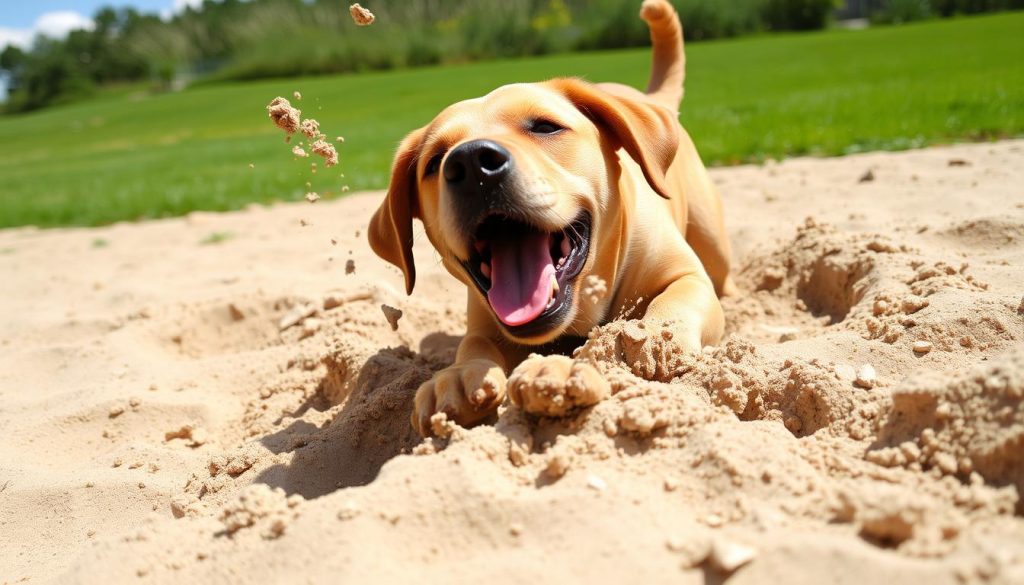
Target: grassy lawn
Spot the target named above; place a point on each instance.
(129, 156)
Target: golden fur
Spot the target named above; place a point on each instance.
(658, 239)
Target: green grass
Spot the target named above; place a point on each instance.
(127, 156)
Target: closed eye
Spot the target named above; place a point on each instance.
(433, 165)
(546, 127)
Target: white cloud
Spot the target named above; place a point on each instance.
(58, 24)
(55, 25)
(20, 37)
(180, 5)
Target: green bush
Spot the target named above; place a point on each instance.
(953, 7)
(797, 14)
(900, 11)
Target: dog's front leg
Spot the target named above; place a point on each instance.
(470, 390)
(678, 322)
(689, 308)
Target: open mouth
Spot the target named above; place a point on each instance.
(526, 272)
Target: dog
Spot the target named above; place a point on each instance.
(533, 189)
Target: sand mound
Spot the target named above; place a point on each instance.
(251, 423)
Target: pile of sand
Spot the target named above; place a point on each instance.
(252, 420)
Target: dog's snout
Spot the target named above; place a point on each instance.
(478, 163)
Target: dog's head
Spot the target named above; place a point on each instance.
(512, 189)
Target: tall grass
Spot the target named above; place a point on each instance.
(277, 38)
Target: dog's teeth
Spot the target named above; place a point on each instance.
(566, 248)
(554, 286)
(485, 269)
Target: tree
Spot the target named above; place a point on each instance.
(12, 60)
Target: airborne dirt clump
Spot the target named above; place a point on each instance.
(360, 15)
(813, 441)
(284, 115)
(392, 315)
(326, 150)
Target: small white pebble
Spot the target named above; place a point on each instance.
(348, 511)
(595, 482)
(922, 347)
(845, 372)
(866, 377)
(729, 556)
(879, 307)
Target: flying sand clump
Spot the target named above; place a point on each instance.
(360, 15)
(290, 120)
(284, 115)
(326, 150)
(392, 315)
(311, 128)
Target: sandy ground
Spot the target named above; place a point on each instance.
(176, 409)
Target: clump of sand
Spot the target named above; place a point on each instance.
(326, 150)
(392, 315)
(284, 115)
(289, 119)
(360, 15)
(594, 288)
(778, 452)
(259, 505)
(310, 128)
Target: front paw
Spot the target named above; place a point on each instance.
(555, 385)
(466, 392)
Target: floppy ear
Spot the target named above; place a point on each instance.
(390, 230)
(648, 132)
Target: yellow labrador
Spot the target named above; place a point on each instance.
(534, 189)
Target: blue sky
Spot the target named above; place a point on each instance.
(21, 20)
(23, 14)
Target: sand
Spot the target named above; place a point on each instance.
(360, 15)
(238, 411)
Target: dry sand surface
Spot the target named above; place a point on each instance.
(213, 399)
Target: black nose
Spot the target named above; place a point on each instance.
(477, 164)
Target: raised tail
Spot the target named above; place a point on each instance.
(668, 66)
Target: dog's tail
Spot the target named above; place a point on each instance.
(668, 67)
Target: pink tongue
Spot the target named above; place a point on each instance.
(521, 272)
